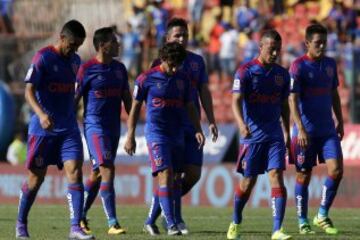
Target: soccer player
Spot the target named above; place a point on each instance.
(313, 97)
(54, 136)
(103, 84)
(166, 91)
(194, 66)
(260, 98)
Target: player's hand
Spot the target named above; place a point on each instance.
(245, 131)
(303, 139)
(213, 131)
(46, 122)
(340, 130)
(200, 138)
(130, 145)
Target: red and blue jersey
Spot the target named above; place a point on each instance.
(315, 81)
(194, 67)
(264, 90)
(54, 79)
(165, 97)
(102, 86)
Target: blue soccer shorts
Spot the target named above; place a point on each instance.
(256, 158)
(319, 150)
(165, 156)
(102, 148)
(53, 150)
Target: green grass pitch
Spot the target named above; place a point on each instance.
(51, 222)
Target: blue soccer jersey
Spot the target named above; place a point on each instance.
(165, 97)
(54, 79)
(315, 81)
(194, 67)
(264, 90)
(101, 86)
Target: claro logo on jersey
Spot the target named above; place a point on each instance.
(161, 102)
(264, 98)
(113, 92)
(61, 87)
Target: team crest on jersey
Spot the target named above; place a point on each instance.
(180, 84)
(279, 80)
(300, 159)
(194, 66)
(311, 75)
(75, 67)
(158, 85)
(39, 161)
(56, 68)
(100, 77)
(330, 72)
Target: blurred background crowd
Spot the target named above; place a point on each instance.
(224, 32)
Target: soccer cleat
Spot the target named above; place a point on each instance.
(77, 233)
(325, 224)
(152, 229)
(280, 235)
(183, 229)
(173, 230)
(233, 231)
(21, 231)
(84, 224)
(305, 229)
(116, 230)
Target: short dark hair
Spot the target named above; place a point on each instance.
(173, 52)
(313, 29)
(272, 34)
(101, 35)
(176, 22)
(73, 28)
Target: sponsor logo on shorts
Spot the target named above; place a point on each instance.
(158, 161)
(300, 158)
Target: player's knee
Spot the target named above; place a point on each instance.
(336, 173)
(35, 182)
(303, 177)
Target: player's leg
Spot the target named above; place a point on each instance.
(331, 152)
(304, 160)
(72, 157)
(91, 189)
(38, 157)
(28, 193)
(249, 154)
(276, 166)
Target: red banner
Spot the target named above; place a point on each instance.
(133, 185)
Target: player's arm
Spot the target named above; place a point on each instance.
(126, 97)
(130, 144)
(207, 104)
(45, 120)
(195, 119)
(237, 103)
(338, 113)
(303, 138)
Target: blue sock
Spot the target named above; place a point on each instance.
(328, 195)
(177, 201)
(278, 204)
(75, 198)
(240, 199)
(107, 194)
(27, 198)
(301, 201)
(167, 205)
(91, 190)
(155, 209)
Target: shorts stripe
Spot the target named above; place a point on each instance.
(96, 141)
(31, 151)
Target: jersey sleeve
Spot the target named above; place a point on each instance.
(81, 81)
(140, 88)
(240, 80)
(295, 73)
(286, 89)
(36, 69)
